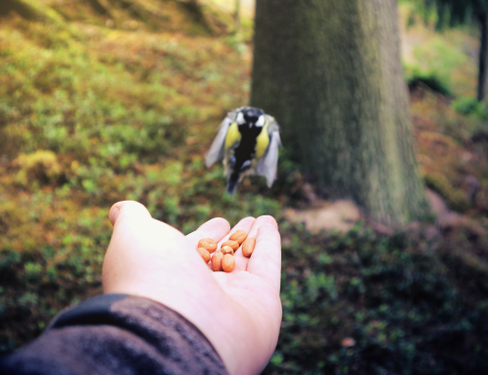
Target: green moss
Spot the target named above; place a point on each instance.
(41, 166)
(456, 198)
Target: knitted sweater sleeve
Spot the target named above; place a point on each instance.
(117, 334)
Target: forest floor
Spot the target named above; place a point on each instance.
(100, 105)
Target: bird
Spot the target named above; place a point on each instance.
(248, 141)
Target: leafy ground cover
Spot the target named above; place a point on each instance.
(364, 303)
(98, 107)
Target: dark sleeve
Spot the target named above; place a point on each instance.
(117, 334)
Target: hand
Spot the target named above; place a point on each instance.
(238, 312)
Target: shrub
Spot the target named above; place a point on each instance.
(471, 107)
(432, 79)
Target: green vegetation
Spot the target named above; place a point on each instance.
(90, 115)
(442, 61)
(97, 108)
(472, 107)
(451, 13)
(402, 298)
(434, 63)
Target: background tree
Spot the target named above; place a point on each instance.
(330, 72)
(451, 13)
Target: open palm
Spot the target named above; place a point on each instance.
(239, 312)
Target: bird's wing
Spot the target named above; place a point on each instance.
(268, 165)
(216, 151)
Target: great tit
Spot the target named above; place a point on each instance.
(248, 141)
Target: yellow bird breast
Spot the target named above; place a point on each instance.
(233, 136)
(262, 141)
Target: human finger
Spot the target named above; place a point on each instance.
(241, 260)
(132, 219)
(266, 258)
(138, 242)
(246, 225)
(136, 210)
(261, 220)
(215, 229)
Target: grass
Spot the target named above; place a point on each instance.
(95, 109)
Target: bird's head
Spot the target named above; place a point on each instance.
(251, 116)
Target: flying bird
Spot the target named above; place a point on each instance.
(248, 141)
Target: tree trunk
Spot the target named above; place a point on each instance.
(483, 58)
(330, 72)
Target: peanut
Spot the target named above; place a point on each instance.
(228, 263)
(208, 244)
(233, 244)
(217, 261)
(239, 236)
(227, 250)
(248, 247)
(204, 254)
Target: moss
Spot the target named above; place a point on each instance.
(41, 166)
(456, 198)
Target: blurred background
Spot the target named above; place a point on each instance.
(107, 100)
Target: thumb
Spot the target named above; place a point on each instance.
(128, 210)
(133, 225)
(138, 245)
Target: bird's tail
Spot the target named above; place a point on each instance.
(232, 184)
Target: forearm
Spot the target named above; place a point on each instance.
(117, 334)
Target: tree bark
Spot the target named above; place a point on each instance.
(330, 72)
(483, 58)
